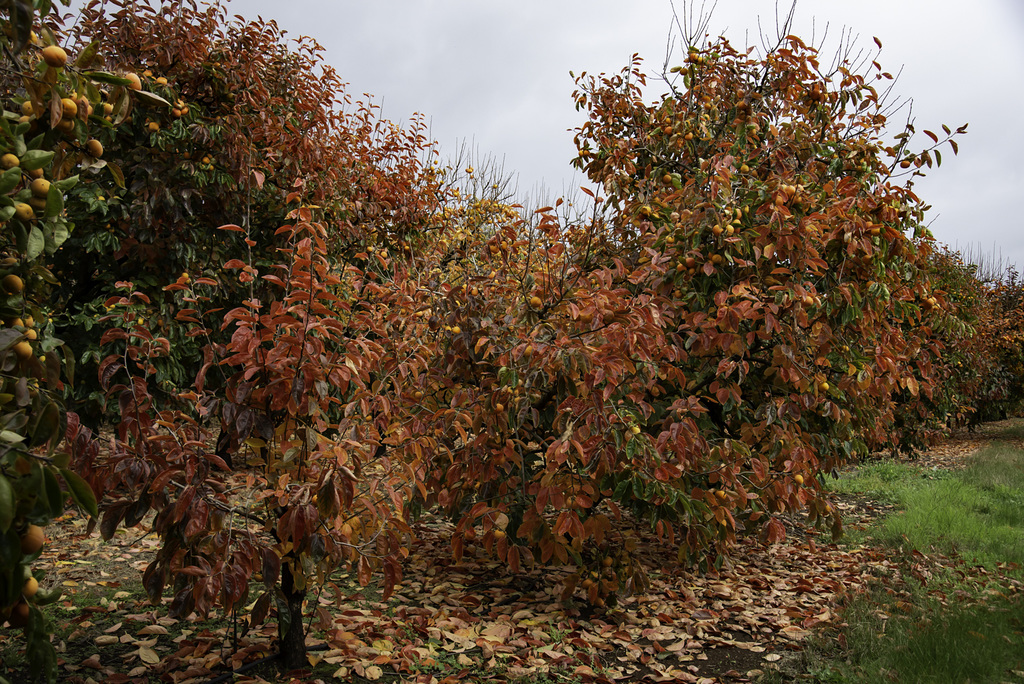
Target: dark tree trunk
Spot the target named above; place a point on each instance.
(293, 641)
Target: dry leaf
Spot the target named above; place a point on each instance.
(497, 632)
(92, 662)
(106, 640)
(794, 632)
(383, 645)
(373, 673)
(148, 655)
(153, 629)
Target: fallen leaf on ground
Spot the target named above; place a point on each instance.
(148, 655)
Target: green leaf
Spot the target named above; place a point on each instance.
(9, 180)
(45, 597)
(115, 171)
(106, 77)
(46, 33)
(36, 243)
(10, 437)
(46, 275)
(54, 202)
(46, 425)
(81, 492)
(67, 183)
(54, 494)
(88, 55)
(35, 159)
(7, 504)
(93, 94)
(36, 142)
(56, 236)
(151, 99)
(19, 142)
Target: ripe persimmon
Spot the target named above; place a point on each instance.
(54, 56)
(32, 540)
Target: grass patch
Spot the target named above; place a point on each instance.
(1010, 430)
(926, 639)
(977, 513)
(964, 624)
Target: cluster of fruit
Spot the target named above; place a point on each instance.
(44, 141)
(23, 590)
(608, 573)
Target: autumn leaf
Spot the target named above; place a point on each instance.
(148, 655)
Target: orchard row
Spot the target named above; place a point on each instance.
(213, 250)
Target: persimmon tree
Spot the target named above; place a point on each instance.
(51, 116)
(984, 370)
(746, 306)
(747, 309)
(292, 318)
(233, 141)
(1002, 333)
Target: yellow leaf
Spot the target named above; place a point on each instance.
(383, 645)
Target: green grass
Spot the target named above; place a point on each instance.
(922, 640)
(977, 513)
(962, 625)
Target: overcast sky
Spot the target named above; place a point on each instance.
(495, 74)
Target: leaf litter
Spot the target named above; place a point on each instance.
(448, 621)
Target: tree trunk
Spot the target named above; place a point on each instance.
(293, 641)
